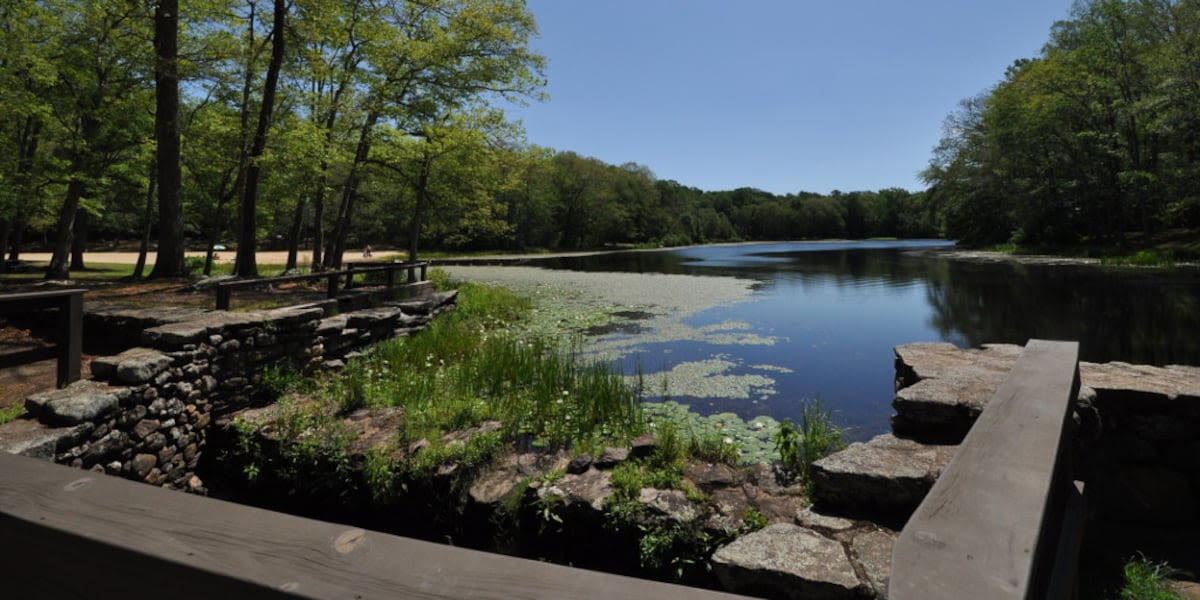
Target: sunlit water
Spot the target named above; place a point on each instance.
(835, 311)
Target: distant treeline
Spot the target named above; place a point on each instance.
(566, 201)
(1096, 137)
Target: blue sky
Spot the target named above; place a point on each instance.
(781, 95)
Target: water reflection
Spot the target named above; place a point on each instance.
(839, 308)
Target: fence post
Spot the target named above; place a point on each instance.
(332, 289)
(70, 337)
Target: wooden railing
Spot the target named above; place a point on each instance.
(333, 279)
(77, 534)
(68, 335)
(1005, 518)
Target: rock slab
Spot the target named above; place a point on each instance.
(788, 561)
(885, 478)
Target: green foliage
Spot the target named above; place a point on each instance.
(1142, 258)
(753, 520)
(278, 380)
(440, 279)
(815, 438)
(1091, 140)
(193, 265)
(467, 368)
(1147, 580)
(11, 413)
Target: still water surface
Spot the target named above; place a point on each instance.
(836, 310)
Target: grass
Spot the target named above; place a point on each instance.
(1147, 580)
(816, 437)
(469, 366)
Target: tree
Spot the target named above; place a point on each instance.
(246, 261)
(97, 98)
(169, 259)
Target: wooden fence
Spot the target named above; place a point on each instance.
(333, 279)
(1005, 518)
(68, 334)
(68, 533)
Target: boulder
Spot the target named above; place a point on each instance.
(787, 561)
(872, 550)
(585, 491)
(505, 474)
(885, 478)
(82, 401)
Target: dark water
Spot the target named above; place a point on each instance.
(838, 309)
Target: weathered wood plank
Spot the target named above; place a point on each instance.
(69, 331)
(71, 533)
(988, 528)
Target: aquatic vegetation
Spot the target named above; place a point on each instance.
(710, 379)
(752, 440)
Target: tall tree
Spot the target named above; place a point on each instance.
(246, 262)
(169, 259)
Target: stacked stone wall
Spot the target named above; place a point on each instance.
(145, 412)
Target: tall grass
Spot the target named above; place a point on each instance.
(814, 438)
(474, 365)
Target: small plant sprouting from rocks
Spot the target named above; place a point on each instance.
(816, 437)
(11, 413)
(1148, 580)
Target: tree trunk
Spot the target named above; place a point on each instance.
(333, 258)
(147, 216)
(247, 239)
(318, 228)
(294, 235)
(58, 268)
(168, 261)
(5, 233)
(414, 228)
(79, 239)
(18, 235)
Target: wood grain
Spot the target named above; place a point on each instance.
(67, 533)
(988, 528)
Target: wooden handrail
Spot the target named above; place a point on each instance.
(224, 289)
(80, 534)
(68, 336)
(1003, 520)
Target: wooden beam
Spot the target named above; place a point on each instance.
(69, 533)
(989, 528)
(68, 335)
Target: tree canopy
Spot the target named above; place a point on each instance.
(1093, 139)
(328, 125)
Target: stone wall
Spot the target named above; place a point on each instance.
(145, 413)
(1138, 446)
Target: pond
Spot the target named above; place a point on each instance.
(822, 319)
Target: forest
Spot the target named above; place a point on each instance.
(319, 126)
(1095, 139)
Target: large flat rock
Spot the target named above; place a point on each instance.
(884, 479)
(28, 437)
(942, 389)
(788, 561)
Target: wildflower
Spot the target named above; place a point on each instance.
(728, 440)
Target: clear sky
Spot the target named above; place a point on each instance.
(781, 95)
